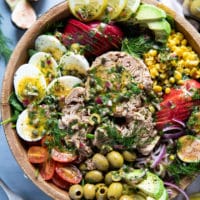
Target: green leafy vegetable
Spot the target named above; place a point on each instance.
(5, 51)
(179, 169)
(137, 46)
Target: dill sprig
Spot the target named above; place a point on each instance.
(137, 46)
(178, 169)
(5, 51)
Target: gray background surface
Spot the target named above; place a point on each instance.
(10, 172)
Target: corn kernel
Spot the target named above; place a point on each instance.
(152, 109)
(157, 88)
(184, 42)
(172, 80)
(177, 75)
(180, 82)
(152, 52)
(171, 157)
(167, 90)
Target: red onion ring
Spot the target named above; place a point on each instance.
(159, 157)
(178, 189)
(179, 122)
(173, 135)
(172, 128)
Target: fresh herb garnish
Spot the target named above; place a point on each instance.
(179, 169)
(5, 51)
(137, 46)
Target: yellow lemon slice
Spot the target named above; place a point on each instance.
(130, 8)
(87, 10)
(113, 9)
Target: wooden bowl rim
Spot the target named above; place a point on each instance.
(60, 11)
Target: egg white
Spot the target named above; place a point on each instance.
(25, 129)
(73, 62)
(62, 86)
(28, 76)
(50, 44)
(46, 64)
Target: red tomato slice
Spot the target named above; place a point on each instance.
(64, 157)
(45, 140)
(191, 84)
(59, 182)
(69, 173)
(37, 154)
(48, 168)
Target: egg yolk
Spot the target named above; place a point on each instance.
(30, 90)
(46, 66)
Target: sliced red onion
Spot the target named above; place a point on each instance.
(173, 135)
(179, 122)
(155, 153)
(98, 100)
(159, 157)
(178, 189)
(172, 128)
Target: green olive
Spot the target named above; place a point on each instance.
(126, 197)
(89, 191)
(83, 167)
(94, 176)
(100, 162)
(76, 192)
(108, 178)
(115, 159)
(101, 193)
(115, 191)
(129, 156)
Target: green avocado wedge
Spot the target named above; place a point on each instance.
(161, 29)
(147, 13)
(152, 186)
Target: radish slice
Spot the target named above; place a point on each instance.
(23, 14)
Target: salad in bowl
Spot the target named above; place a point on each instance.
(107, 103)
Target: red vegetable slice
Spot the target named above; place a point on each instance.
(69, 173)
(47, 169)
(37, 154)
(96, 40)
(64, 157)
(59, 182)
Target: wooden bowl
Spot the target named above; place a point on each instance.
(20, 56)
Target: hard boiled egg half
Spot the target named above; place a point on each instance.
(30, 128)
(46, 64)
(61, 87)
(72, 63)
(30, 84)
(50, 44)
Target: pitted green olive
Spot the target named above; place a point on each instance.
(126, 197)
(115, 191)
(115, 159)
(101, 193)
(129, 156)
(76, 192)
(100, 162)
(89, 191)
(108, 178)
(94, 176)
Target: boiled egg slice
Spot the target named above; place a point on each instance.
(27, 129)
(30, 84)
(62, 86)
(46, 64)
(72, 63)
(50, 44)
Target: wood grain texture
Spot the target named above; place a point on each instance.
(20, 57)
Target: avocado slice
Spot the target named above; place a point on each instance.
(189, 149)
(161, 29)
(164, 195)
(152, 186)
(147, 12)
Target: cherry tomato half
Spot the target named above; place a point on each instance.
(64, 157)
(48, 168)
(69, 173)
(59, 182)
(37, 154)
